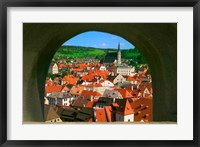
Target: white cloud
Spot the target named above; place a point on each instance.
(122, 44)
(104, 44)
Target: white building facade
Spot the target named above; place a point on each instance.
(55, 69)
(125, 70)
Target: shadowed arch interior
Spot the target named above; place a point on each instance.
(157, 42)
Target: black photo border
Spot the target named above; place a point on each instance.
(4, 4)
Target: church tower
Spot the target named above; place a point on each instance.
(118, 54)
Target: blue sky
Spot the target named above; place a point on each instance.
(99, 40)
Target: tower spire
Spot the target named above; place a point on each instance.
(119, 54)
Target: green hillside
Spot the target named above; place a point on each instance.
(80, 52)
(98, 53)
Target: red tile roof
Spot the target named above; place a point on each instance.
(94, 85)
(91, 104)
(103, 73)
(81, 101)
(109, 113)
(54, 88)
(49, 83)
(88, 78)
(61, 65)
(134, 93)
(65, 88)
(77, 89)
(76, 69)
(90, 93)
(125, 108)
(115, 105)
(128, 109)
(70, 79)
(143, 109)
(86, 99)
(125, 93)
(101, 115)
(130, 79)
(82, 65)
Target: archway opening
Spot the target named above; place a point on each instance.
(98, 77)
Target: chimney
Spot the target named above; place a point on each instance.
(95, 113)
(91, 98)
(97, 81)
(114, 100)
(143, 94)
(138, 86)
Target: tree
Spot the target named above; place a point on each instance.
(65, 73)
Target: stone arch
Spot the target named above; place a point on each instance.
(157, 42)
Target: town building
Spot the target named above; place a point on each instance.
(52, 88)
(55, 69)
(125, 70)
(86, 97)
(106, 83)
(50, 115)
(99, 88)
(112, 94)
(125, 112)
(116, 79)
(60, 98)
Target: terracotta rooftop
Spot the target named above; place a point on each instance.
(77, 89)
(54, 88)
(124, 107)
(125, 93)
(81, 101)
(91, 104)
(109, 113)
(70, 79)
(101, 115)
(90, 93)
(143, 109)
(49, 113)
